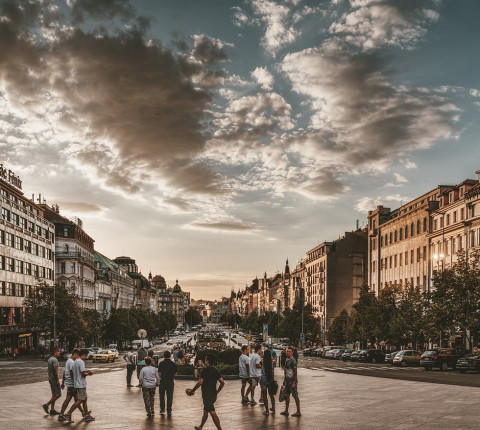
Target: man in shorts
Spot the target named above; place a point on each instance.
(68, 382)
(244, 373)
(54, 382)
(208, 381)
(290, 382)
(255, 371)
(129, 358)
(80, 383)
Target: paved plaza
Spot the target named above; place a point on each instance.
(330, 400)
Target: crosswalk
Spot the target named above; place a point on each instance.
(366, 368)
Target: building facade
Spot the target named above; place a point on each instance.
(27, 245)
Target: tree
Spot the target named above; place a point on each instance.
(336, 334)
(454, 304)
(94, 326)
(364, 326)
(39, 311)
(291, 324)
(193, 317)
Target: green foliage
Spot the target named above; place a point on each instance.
(227, 369)
(202, 353)
(232, 319)
(193, 317)
(337, 330)
(186, 369)
(94, 326)
(291, 323)
(229, 356)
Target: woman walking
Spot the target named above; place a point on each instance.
(267, 383)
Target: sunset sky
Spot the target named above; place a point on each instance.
(211, 140)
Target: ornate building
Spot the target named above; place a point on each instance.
(27, 245)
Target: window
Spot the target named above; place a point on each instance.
(455, 216)
(10, 264)
(39, 230)
(418, 227)
(19, 243)
(4, 193)
(412, 229)
(15, 219)
(390, 238)
(406, 258)
(448, 219)
(28, 268)
(6, 214)
(65, 231)
(412, 256)
(395, 260)
(62, 267)
(406, 232)
(2, 288)
(424, 253)
(435, 224)
(400, 234)
(19, 267)
(462, 214)
(10, 239)
(418, 255)
(36, 272)
(400, 259)
(2, 237)
(23, 223)
(424, 224)
(2, 262)
(27, 246)
(396, 235)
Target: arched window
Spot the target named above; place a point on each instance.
(424, 224)
(412, 229)
(406, 232)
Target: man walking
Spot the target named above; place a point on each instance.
(244, 373)
(54, 382)
(255, 371)
(68, 382)
(149, 379)
(80, 383)
(167, 369)
(208, 381)
(141, 354)
(290, 382)
(129, 358)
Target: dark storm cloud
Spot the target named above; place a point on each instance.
(101, 9)
(141, 97)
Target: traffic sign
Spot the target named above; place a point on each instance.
(265, 328)
(302, 337)
(142, 334)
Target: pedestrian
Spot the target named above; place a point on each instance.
(175, 354)
(167, 370)
(54, 382)
(208, 381)
(68, 382)
(244, 373)
(255, 371)
(129, 358)
(181, 356)
(141, 354)
(267, 382)
(198, 369)
(291, 383)
(80, 374)
(149, 379)
(15, 353)
(274, 356)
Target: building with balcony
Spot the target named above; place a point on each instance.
(74, 256)
(27, 244)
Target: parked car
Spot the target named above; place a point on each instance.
(329, 348)
(390, 356)
(347, 354)
(317, 352)
(115, 351)
(330, 354)
(469, 362)
(372, 356)
(103, 355)
(356, 354)
(339, 353)
(307, 352)
(441, 358)
(90, 353)
(407, 357)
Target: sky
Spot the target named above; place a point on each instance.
(212, 140)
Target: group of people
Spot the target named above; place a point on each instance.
(75, 379)
(259, 370)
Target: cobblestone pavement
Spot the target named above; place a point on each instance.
(330, 400)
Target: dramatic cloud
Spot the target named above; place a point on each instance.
(358, 115)
(80, 207)
(224, 226)
(263, 77)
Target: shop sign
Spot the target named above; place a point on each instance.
(8, 176)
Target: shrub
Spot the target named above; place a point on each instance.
(229, 356)
(227, 369)
(186, 369)
(201, 354)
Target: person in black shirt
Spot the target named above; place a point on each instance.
(208, 381)
(167, 369)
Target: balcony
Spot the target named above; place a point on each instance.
(69, 254)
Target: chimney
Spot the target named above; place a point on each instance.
(478, 174)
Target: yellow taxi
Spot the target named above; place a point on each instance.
(104, 355)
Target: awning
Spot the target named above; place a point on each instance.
(25, 335)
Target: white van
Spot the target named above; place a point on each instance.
(140, 342)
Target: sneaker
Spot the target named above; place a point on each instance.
(54, 412)
(261, 400)
(245, 401)
(45, 408)
(68, 418)
(253, 402)
(61, 417)
(162, 412)
(87, 413)
(89, 418)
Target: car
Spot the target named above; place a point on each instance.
(104, 355)
(347, 354)
(169, 342)
(389, 356)
(372, 356)
(441, 358)
(407, 357)
(337, 355)
(90, 353)
(330, 354)
(307, 352)
(329, 348)
(115, 351)
(469, 362)
(356, 354)
(317, 352)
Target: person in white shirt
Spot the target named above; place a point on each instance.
(80, 383)
(255, 371)
(149, 379)
(244, 373)
(68, 382)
